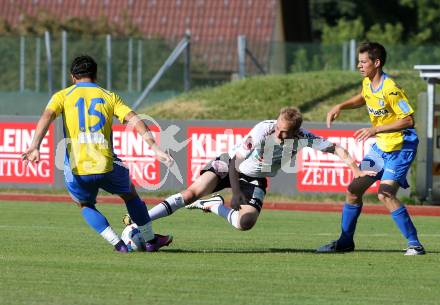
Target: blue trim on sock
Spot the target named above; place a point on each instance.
(350, 215)
(406, 226)
(94, 218)
(138, 211)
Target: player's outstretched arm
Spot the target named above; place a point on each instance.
(345, 156)
(32, 154)
(147, 136)
(352, 103)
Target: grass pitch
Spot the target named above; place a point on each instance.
(48, 255)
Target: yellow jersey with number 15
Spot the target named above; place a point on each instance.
(387, 104)
(88, 112)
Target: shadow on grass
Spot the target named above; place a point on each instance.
(239, 251)
(308, 105)
(283, 250)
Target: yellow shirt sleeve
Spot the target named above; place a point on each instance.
(120, 109)
(56, 103)
(398, 101)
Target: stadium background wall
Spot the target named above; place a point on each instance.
(205, 139)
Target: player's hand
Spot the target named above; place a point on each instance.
(31, 155)
(238, 200)
(364, 133)
(165, 158)
(332, 115)
(360, 173)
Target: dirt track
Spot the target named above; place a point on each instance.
(270, 205)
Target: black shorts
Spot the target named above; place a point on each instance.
(253, 188)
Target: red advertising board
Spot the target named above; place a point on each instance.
(207, 143)
(324, 172)
(15, 138)
(129, 146)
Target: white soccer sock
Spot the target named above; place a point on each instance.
(229, 214)
(147, 231)
(167, 207)
(110, 235)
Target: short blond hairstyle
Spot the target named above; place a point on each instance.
(293, 115)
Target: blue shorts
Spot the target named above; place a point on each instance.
(393, 165)
(84, 188)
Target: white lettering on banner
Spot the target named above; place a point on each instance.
(16, 168)
(15, 138)
(324, 172)
(327, 176)
(208, 146)
(209, 142)
(137, 155)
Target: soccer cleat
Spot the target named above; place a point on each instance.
(158, 242)
(415, 250)
(206, 204)
(121, 247)
(335, 247)
(126, 220)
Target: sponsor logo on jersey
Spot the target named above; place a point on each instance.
(377, 112)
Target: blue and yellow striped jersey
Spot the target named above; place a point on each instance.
(387, 104)
(88, 112)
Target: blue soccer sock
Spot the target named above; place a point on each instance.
(94, 218)
(139, 214)
(100, 224)
(403, 221)
(350, 215)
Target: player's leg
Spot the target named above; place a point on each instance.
(243, 219)
(396, 169)
(213, 177)
(204, 185)
(350, 213)
(83, 191)
(353, 204)
(138, 213)
(352, 209)
(118, 182)
(100, 224)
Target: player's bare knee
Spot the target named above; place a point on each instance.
(189, 196)
(352, 197)
(247, 221)
(386, 193)
(384, 196)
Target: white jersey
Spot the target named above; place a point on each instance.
(263, 157)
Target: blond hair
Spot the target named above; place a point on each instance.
(292, 115)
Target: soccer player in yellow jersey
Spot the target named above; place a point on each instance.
(392, 123)
(90, 163)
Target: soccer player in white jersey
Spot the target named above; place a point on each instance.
(269, 146)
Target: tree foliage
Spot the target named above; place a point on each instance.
(391, 21)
